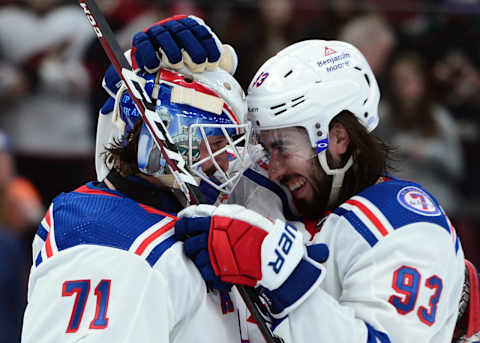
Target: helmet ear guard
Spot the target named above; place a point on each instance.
(308, 84)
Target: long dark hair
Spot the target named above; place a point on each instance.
(122, 153)
(420, 117)
(372, 157)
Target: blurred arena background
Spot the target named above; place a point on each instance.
(425, 54)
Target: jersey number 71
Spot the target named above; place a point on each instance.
(81, 290)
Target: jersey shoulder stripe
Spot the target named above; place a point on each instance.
(154, 241)
(380, 209)
(85, 189)
(95, 215)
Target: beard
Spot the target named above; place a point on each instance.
(315, 208)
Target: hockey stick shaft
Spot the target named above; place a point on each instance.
(248, 296)
(122, 66)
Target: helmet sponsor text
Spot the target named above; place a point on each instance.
(335, 62)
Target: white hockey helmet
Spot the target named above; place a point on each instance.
(192, 107)
(306, 85)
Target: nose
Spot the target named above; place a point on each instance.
(222, 160)
(276, 167)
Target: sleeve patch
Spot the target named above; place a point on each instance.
(416, 200)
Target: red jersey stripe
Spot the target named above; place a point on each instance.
(85, 190)
(48, 217)
(48, 245)
(375, 221)
(153, 236)
(153, 210)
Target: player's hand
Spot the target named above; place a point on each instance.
(242, 247)
(181, 41)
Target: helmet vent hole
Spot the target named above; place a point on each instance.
(277, 106)
(227, 86)
(188, 79)
(365, 114)
(257, 122)
(358, 68)
(281, 108)
(367, 78)
(298, 101)
(288, 74)
(365, 101)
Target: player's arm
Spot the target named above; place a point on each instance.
(99, 294)
(404, 288)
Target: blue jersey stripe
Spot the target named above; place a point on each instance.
(275, 188)
(361, 228)
(39, 259)
(42, 233)
(158, 251)
(340, 211)
(277, 322)
(375, 336)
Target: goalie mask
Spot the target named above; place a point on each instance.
(306, 85)
(204, 115)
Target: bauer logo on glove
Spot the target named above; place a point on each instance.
(285, 243)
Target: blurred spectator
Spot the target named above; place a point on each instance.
(50, 127)
(266, 27)
(374, 37)
(423, 132)
(458, 81)
(12, 297)
(13, 260)
(275, 19)
(21, 203)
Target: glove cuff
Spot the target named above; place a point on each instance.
(303, 281)
(282, 250)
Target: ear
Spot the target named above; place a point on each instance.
(338, 141)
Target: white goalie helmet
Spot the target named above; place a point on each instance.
(193, 107)
(306, 85)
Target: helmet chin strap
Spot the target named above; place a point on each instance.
(338, 175)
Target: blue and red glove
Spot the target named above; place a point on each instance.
(232, 244)
(184, 43)
(181, 41)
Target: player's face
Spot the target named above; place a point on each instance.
(294, 164)
(216, 143)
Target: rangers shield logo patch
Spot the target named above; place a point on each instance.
(418, 201)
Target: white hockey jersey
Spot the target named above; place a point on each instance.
(395, 271)
(108, 269)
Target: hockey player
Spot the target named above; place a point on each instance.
(396, 267)
(107, 267)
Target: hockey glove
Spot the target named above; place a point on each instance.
(248, 249)
(181, 41)
(111, 80)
